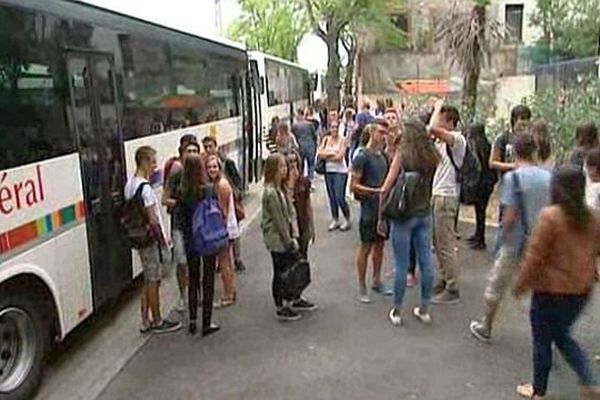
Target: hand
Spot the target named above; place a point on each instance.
(438, 104)
(294, 245)
(170, 203)
(313, 237)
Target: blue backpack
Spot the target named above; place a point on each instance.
(209, 229)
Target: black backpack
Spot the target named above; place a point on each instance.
(468, 176)
(135, 221)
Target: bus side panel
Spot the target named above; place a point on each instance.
(229, 137)
(46, 231)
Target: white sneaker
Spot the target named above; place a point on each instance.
(424, 318)
(346, 225)
(333, 225)
(395, 317)
(180, 306)
(364, 298)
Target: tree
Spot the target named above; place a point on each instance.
(570, 29)
(272, 26)
(467, 36)
(339, 22)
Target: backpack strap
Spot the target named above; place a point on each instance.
(451, 157)
(140, 188)
(520, 202)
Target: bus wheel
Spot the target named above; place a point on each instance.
(23, 342)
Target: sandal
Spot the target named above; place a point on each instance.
(224, 302)
(526, 391)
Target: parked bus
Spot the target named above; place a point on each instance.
(284, 88)
(81, 88)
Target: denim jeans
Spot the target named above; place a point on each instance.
(418, 231)
(552, 317)
(336, 191)
(307, 154)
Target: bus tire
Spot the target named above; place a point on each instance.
(24, 339)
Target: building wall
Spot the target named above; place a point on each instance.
(530, 33)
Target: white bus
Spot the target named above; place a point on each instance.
(81, 88)
(284, 87)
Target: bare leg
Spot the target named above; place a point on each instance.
(227, 275)
(182, 279)
(377, 259)
(144, 306)
(362, 258)
(153, 301)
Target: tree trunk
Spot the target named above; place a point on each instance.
(333, 67)
(471, 76)
(349, 79)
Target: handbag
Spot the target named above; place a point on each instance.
(296, 278)
(320, 166)
(397, 203)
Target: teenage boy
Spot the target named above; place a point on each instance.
(369, 168)
(452, 146)
(525, 191)
(154, 255)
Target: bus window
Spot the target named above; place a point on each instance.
(35, 128)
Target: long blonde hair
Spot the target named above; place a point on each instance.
(416, 147)
(272, 169)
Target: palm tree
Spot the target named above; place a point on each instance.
(467, 36)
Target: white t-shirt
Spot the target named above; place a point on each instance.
(444, 179)
(340, 166)
(592, 196)
(149, 196)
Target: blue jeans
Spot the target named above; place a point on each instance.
(336, 191)
(418, 231)
(552, 317)
(307, 154)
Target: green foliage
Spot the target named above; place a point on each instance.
(570, 29)
(582, 105)
(272, 26)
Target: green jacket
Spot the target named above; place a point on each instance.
(276, 221)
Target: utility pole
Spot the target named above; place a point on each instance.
(218, 18)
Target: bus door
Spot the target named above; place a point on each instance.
(94, 117)
(255, 91)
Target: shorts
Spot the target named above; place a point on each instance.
(367, 229)
(151, 263)
(501, 275)
(179, 256)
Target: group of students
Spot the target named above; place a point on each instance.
(189, 179)
(548, 228)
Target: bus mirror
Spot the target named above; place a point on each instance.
(262, 85)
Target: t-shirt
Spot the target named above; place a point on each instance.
(592, 196)
(504, 143)
(535, 187)
(174, 186)
(364, 118)
(305, 134)
(373, 167)
(148, 195)
(444, 179)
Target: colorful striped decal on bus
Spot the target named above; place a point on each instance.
(41, 227)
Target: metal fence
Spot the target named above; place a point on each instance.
(565, 74)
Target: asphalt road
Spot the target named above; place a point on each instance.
(345, 350)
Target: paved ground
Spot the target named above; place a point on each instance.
(346, 350)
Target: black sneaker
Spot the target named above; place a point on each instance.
(447, 297)
(210, 329)
(304, 305)
(287, 314)
(166, 327)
